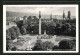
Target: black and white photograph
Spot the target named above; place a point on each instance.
(40, 28)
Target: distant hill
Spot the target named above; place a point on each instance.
(19, 14)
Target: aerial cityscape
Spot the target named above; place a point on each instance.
(40, 29)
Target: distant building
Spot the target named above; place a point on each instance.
(69, 15)
(24, 19)
(21, 18)
(17, 18)
(63, 16)
(51, 17)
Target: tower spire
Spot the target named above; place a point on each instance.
(63, 15)
(69, 15)
(51, 16)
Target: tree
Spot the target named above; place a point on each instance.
(67, 25)
(8, 44)
(55, 47)
(47, 45)
(66, 44)
(19, 23)
(17, 30)
(43, 45)
(23, 30)
(58, 29)
(8, 35)
(73, 30)
(66, 29)
(38, 45)
(13, 49)
(63, 28)
(13, 33)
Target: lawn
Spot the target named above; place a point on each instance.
(31, 42)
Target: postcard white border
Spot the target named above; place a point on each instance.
(68, 5)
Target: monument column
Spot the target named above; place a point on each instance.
(39, 22)
(63, 16)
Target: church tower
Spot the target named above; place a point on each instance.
(51, 17)
(69, 15)
(63, 15)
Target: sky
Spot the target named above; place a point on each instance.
(45, 9)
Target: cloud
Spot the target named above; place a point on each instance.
(44, 10)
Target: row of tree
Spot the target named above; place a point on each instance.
(57, 28)
(11, 34)
(47, 46)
